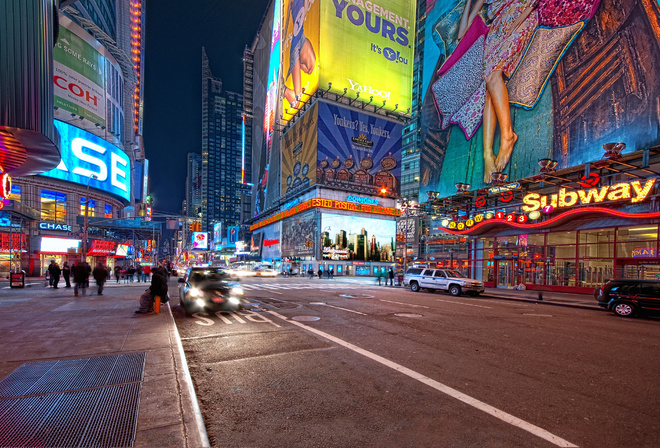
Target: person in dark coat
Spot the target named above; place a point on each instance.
(117, 274)
(88, 270)
(55, 273)
(390, 275)
(66, 273)
(100, 274)
(80, 277)
(139, 272)
(158, 288)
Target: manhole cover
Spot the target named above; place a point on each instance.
(357, 296)
(408, 315)
(305, 318)
(317, 303)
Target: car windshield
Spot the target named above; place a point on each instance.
(455, 274)
(207, 275)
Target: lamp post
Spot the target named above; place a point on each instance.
(86, 225)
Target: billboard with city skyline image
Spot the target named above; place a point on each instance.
(357, 238)
(299, 235)
(572, 77)
(358, 151)
(299, 152)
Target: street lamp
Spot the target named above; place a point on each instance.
(86, 225)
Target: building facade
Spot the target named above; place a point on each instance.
(222, 149)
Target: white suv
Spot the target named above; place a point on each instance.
(445, 279)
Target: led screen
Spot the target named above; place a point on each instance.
(357, 238)
(367, 51)
(561, 87)
(200, 240)
(58, 245)
(90, 160)
(299, 235)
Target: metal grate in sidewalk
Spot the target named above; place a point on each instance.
(76, 402)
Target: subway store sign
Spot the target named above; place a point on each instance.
(328, 204)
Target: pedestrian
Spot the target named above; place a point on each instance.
(147, 273)
(100, 274)
(320, 273)
(131, 273)
(117, 273)
(88, 272)
(139, 272)
(331, 272)
(310, 272)
(158, 288)
(390, 274)
(379, 276)
(66, 273)
(79, 272)
(55, 272)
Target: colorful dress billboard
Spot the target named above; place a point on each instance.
(510, 82)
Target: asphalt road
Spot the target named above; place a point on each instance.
(333, 363)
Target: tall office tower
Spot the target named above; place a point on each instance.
(222, 132)
(193, 205)
(409, 147)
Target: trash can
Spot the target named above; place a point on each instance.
(17, 279)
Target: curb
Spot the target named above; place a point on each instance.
(187, 379)
(544, 302)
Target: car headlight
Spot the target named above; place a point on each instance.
(237, 290)
(234, 301)
(200, 303)
(194, 292)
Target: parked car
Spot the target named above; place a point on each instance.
(627, 297)
(209, 288)
(443, 279)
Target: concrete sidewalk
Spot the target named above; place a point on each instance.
(547, 297)
(46, 324)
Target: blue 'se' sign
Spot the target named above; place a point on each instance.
(84, 155)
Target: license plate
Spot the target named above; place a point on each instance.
(217, 299)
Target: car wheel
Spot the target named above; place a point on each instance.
(623, 309)
(414, 286)
(455, 290)
(430, 289)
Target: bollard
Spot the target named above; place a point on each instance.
(157, 304)
(540, 295)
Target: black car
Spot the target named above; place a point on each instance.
(627, 297)
(209, 289)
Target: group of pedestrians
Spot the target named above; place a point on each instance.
(330, 273)
(80, 271)
(389, 275)
(131, 273)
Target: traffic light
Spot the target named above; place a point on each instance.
(191, 227)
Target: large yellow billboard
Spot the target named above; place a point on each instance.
(300, 54)
(367, 51)
(299, 157)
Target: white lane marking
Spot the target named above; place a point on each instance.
(401, 303)
(477, 404)
(343, 309)
(466, 304)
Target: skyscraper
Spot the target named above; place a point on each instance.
(222, 125)
(193, 204)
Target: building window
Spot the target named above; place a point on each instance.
(92, 206)
(108, 211)
(53, 206)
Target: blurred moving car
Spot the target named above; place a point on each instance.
(265, 272)
(445, 279)
(210, 288)
(627, 297)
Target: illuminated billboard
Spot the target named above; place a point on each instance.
(367, 50)
(299, 235)
(357, 238)
(299, 152)
(200, 240)
(358, 150)
(90, 160)
(560, 88)
(300, 50)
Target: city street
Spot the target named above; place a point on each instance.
(345, 362)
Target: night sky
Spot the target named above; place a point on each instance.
(176, 30)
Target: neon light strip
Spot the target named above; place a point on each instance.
(243, 152)
(540, 225)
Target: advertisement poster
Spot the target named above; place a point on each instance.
(569, 80)
(299, 152)
(232, 235)
(90, 160)
(299, 235)
(368, 49)
(357, 238)
(358, 150)
(79, 75)
(271, 247)
(300, 49)
(200, 240)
